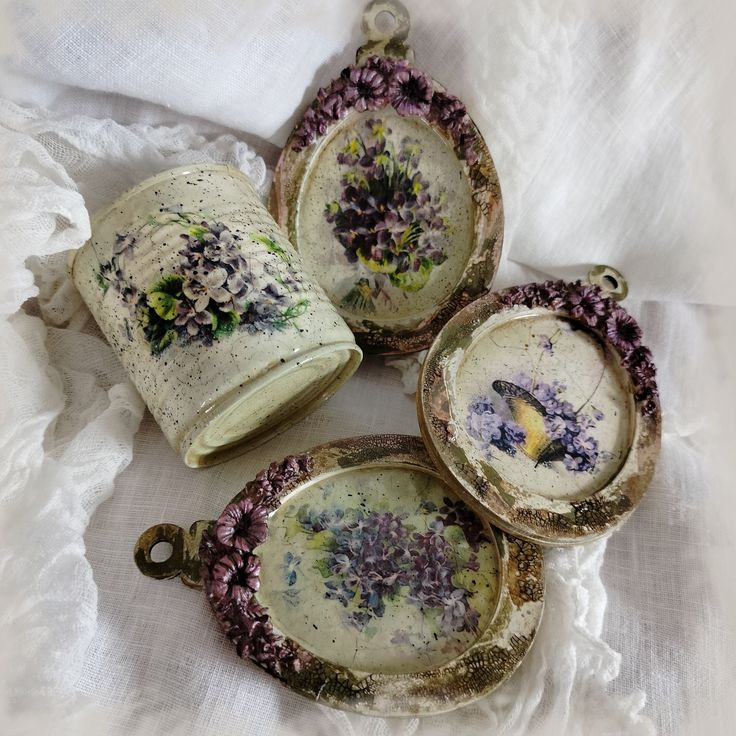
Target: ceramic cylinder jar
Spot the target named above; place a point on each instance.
(205, 302)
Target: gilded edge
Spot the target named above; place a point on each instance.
(487, 663)
(470, 146)
(582, 520)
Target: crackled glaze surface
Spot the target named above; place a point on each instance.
(382, 569)
(206, 304)
(387, 188)
(403, 257)
(354, 574)
(541, 402)
(544, 403)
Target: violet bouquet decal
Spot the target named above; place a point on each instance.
(375, 559)
(388, 219)
(213, 290)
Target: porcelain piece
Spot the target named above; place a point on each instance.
(540, 403)
(387, 189)
(356, 576)
(205, 302)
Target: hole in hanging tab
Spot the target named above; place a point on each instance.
(610, 281)
(161, 551)
(385, 22)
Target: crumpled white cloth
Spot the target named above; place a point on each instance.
(601, 131)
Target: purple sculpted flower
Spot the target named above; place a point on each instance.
(312, 124)
(449, 112)
(410, 92)
(365, 88)
(234, 579)
(623, 331)
(467, 146)
(242, 525)
(586, 304)
(331, 101)
(551, 294)
(642, 371)
(269, 483)
(386, 65)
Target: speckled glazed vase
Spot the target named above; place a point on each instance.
(205, 302)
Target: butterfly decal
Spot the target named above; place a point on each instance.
(529, 413)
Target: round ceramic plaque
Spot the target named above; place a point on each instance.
(387, 189)
(541, 403)
(356, 575)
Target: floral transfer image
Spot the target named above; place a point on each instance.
(553, 421)
(213, 290)
(390, 218)
(377, 558)
(395, 567)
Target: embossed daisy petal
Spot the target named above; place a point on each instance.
(623, 331)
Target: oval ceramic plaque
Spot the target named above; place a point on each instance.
(542, 404)
(356, 576)
(388, 191)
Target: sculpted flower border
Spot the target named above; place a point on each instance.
(384, 81)
(231, 572)
(591, 306)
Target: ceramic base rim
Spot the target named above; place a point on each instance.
(196, 456)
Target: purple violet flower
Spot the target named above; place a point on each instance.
(242, 525)
(331, 100)
(365, 88)
(386, 65)
(234, 579)
(623, 331)
(449, 112)
(410, 92)
(586, 304)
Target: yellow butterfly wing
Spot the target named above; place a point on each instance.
(529, 414)
(532, 422)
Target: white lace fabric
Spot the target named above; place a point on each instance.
(594, 169)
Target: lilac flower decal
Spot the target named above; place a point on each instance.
(388, 219)
(546, 344)
(488, 427)
(213, 290)
(374, 558)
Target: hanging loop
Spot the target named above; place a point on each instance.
(611, 281)
(386, 27)
(184, 558)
